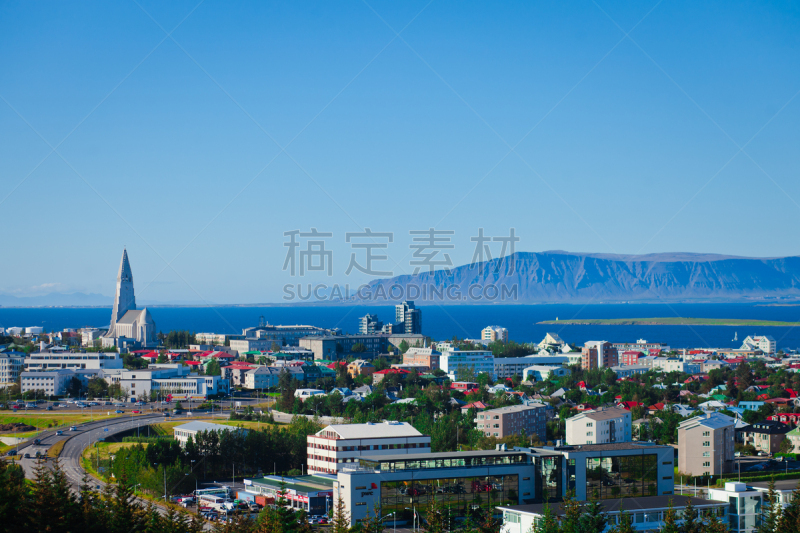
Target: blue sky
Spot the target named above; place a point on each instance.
(172, 145)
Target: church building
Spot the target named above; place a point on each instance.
(130, 328)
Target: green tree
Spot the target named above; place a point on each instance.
(341, 518)
(434, 518)
(548, 523)
(625, 524)
(213, 368)
(592, 520)
(670, 520)
(771, 510)
(691, 520)
(403, 346)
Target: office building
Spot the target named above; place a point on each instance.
(646, 513)
(334, 347)
(599, 426)
(183, 432)
(411, 317)
(513, 420)
(494, 333)
(336, 446)
(369, 325)
(211, 339)
(463, 482)
(167, 380)
(508, 367)
(598, 354)
(262, 377)
(641, 345)
(312, 494)
(470, 361)
(705, 445)
(75, 361)
(50, 382)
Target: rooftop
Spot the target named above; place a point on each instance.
(606, 413)
(299, 483)
(370, 430)
(622, 504)
(613, 446)
(202, 426)
(427, 456)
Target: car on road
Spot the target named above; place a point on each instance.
(27, 456)
(37, 441)
(140, 404)
(49, 408)
(136, 412)
(119, 405)
(119, 411)
(59, 432)
(73, 428)
(166, 414)
(30, 406)
(11, 452)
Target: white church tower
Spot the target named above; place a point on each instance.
(124, 299)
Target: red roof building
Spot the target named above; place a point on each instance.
(480, 406)
(630, 357)
(630, 405)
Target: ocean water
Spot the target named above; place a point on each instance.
(445, 322)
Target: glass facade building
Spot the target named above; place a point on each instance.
(457, 461)
(459, 497)
(620, 477)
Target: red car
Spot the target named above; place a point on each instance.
(137, 412)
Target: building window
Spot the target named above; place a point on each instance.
(706, 444)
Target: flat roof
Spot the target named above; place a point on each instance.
(203, 426)
(449, 455)
(622, 504)
(299, 483)
(604, 447)
(780, 484)
(372, 430)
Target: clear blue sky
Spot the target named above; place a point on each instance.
(171, 148)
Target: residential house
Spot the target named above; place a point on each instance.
(705, 445)
(766, 436)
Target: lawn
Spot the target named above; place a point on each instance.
(89, 455)
(165, 428)
(48, 419)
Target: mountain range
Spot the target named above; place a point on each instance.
(566, 277)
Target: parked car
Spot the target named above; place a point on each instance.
(49, 408)
(136, 412)
(27, 456)
(11, 452)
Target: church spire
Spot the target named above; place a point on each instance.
(124, 298)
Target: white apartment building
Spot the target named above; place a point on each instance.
(75, 361)
(52, 383)
(494, 333)
(14, 331)
(11, 365)
(191, 429)
(600, 426)
(668, 364)
(765, 343)
(334, 447)
(544, 372)
(507, 367)
(34, 330)
(478, 361)
(210, 338)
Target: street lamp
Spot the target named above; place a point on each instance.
(393, 514)
(413, 510)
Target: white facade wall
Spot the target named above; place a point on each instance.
(89, 361)
(583, 429)
(10, 368)
(329, 456)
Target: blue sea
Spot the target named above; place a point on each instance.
(462, 321)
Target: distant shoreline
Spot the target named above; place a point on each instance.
(670, 321)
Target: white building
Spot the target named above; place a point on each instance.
(52, 383)
(478, 361)
(626, 371)
(600, 426)
(494, 333)
(129, 325)
(168, 380)
(90, 335)
(11, 365)
(337, 445)
(14, 331)
(191, 429)
(87, 361)
(544, 372)
(551, 339)
(34, 330)
(765, 343)
(507, 367)
(744, 510)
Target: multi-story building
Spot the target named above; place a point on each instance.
(543, 372)
(646, 513)
(705, 445)
(335, 347)
(513, 420)
(265, 336)
(411, 317)
(211, 339)
(476, 361)
(507, 367)
(630, 370)
(262, 377)
(641, 345)
(90, 336)
(765, 343)
(167, 380)
(422, 357)
(494, 333)
(11, 365)
(360, 367)
(50, 382)
(333, 447)
(551, 340)
(235, 372)
(766, 436)
(90, 361)
(629, 357)
(605, 425)
(369, 325)
(598, 354)
(745, 506)
(463, 482)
